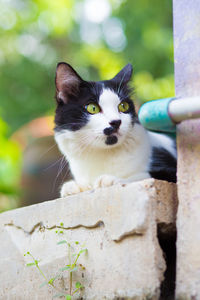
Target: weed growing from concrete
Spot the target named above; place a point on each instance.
(71, 267)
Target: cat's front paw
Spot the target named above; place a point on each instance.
(72, 187)
(69, 188)
(105, 181)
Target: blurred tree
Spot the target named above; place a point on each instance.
(96, 37)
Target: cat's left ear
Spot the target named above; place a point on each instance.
(67, 82)
(124, 75)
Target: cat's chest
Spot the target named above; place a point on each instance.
(96, 164)
(129, 159)
(122, 164)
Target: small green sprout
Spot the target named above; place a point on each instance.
(71, 267)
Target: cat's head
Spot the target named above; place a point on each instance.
(94, 114)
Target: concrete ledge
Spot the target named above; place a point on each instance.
(119, 228)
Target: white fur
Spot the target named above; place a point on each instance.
(160, 140)
(95, 164)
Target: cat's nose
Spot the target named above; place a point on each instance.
(115, 124)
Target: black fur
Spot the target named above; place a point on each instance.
(111, 140)
(73, 115)
(163, 165)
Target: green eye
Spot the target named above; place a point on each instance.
(93, 108)
(123, 106)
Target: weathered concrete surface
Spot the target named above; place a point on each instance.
(188, 217)
(187, 79)
(119, 228)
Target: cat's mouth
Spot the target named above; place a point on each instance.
(111, 140)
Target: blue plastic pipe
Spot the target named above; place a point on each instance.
(163, 115)
(154, 115)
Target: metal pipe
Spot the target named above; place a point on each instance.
(184, 109)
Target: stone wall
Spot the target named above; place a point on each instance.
(118, 226)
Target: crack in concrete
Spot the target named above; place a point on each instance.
(127, 235)
(42, 227)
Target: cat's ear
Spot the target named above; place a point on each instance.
(67, 82)
(124, 75)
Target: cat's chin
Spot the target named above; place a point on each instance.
(109, 142)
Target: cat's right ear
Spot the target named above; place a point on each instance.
(124, 75)
(67, 82)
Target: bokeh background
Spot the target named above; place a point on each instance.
(97, 37)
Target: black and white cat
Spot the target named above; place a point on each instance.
(98, 132)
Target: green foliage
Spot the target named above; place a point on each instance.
(149, 88)
(10, 159)
(10, 169)
(71, 267)
(36, 34)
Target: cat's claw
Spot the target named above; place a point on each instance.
(105, 181)
(71, 188)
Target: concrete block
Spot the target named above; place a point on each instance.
(188, 219)
(118, 226)
(187, 77)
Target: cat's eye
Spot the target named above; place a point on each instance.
(93, 108)
(123, 106)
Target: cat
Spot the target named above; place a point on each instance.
(98, 132)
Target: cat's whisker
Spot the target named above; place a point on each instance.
(66, 174)
(63, 162)
(49, 149)
(118, 91)
(87, 142)
(53, 164)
